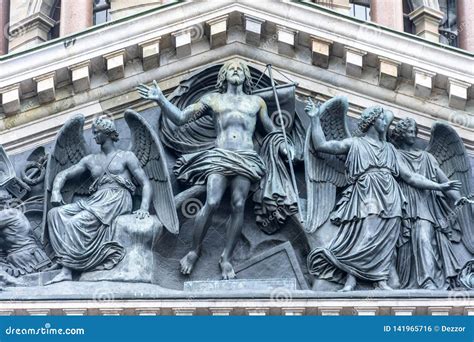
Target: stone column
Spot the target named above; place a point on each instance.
(466, 24)
(387, 13)
(426, 21)
(4, 19)
(75, 16)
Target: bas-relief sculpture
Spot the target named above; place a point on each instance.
(426, 258)
(80, 232)
(232, 162)
(397, 213)
(373, 204)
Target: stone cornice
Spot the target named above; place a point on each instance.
(445, 65)
(35, 19)
(38, 127)
(312, 304)
(295, 16)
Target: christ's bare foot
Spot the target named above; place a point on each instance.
(227, 270)
(187, 263)
(382, 285)
(350, 284)
(64, 275)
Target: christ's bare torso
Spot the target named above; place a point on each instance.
(235, 119)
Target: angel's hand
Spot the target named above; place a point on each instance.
(153, 93)
(57, 199)
(462, 201)
(141, 214)
(312, 109)
(451, 185)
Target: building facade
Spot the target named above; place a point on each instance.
(58, 58)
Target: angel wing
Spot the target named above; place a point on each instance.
(448, 149)
(149, 151)
(325, 172)
(69, 148)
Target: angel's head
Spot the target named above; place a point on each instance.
(103, 128)
(372, 116)
(237, 73)
(405, 132)
(5, 197)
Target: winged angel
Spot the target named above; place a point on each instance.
(80, 232)
(370, 210)
(426, 258)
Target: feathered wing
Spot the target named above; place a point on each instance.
(448, 149)
(147, 147)
(325, 172)
(69, 148)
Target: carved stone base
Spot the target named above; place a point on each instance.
(240, 285)
(137, 237)
(274, 263)
(37, 279)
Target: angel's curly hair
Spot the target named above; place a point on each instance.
(367, 119)
(4, 196)
(221, 84)
(398, 133)
(104, 124)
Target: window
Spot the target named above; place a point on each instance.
(101, 11)
(448, 29)
(55, 15)
(408, 25)
(360, 9)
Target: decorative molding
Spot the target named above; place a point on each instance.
(320, 51)
(366, 311)
(354, 59)
(286, 39)
(45, 87)
(115, 64)
(11, 99)
(183, 311)
(150, 53)
(258, 311)
(333, 306)
(293, 311)
(330, 311)
(389, 71)
(458, 93)
(253, 29)
(80, 76)
(423, 82)
(439, 310)
(182, 42)
(217, 31)
(404, 311)
(221, 311)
